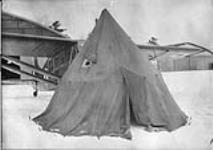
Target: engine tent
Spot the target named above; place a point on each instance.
(109, 86)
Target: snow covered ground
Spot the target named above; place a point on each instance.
(193, 91)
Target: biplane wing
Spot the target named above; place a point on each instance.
(23, 37)
(16, 44)
(185, 48)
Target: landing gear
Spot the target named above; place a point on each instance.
(35, 93)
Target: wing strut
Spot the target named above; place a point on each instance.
(31, 67)
(12, 69)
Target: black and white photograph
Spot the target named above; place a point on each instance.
(107, 74)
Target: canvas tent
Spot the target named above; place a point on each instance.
(109, 86)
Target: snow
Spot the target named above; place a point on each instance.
(192, 90)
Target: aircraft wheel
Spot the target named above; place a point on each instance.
(35, 93)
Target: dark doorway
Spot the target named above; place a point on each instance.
(211, 66)
(5, 75)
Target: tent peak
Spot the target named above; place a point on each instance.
(105, 12)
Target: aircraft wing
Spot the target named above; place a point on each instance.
(168, 48)
(24, 37)
(16, 44)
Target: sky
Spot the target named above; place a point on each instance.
(170, 21)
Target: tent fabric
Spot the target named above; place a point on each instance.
(109, 86)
